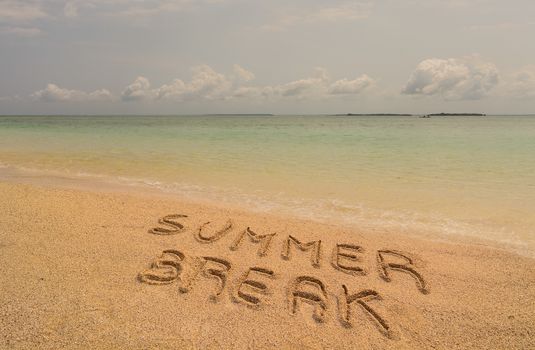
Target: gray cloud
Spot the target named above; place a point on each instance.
(253, 92)
(27, 32)
(467, 78)
(71, 9)
(20, 11)
(152, 8)
(9, 98)
(522, 83)
(345, 11)
(132, 9)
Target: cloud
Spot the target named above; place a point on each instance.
(205, 83)
(298, 87)
(502, 26)
(254, 92)
(54, 93)
(175, 89)
(467, 78)
(138, 90)
(347, 87)
(346, 11)
(242, 73)
(452, 4)
(10, 98)
(153, 8)
(27, 32)
(70, 9)
(316, 86)
(522, 83)
(20, 11)
(302, 87)
(133, 9)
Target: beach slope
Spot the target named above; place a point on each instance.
(87, 269)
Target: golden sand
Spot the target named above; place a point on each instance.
(85, 269)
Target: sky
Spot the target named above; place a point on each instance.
(271, 56)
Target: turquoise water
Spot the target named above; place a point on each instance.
(446, 175)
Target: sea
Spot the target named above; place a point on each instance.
(441, 177)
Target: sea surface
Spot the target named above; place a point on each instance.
(443, 176)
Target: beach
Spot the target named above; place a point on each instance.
(221, 174)
(97, 268)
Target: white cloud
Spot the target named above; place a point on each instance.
(54, 93)
(20, 11)
(346, 87)
(467, 78)
(316, 86)
(207, 84)
(27, 32)
(138, 90)
(298, 87)
(303, 87)
(242, 73)
(177, 88)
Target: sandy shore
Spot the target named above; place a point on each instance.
(83, 269)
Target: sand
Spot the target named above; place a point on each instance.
(105, 270)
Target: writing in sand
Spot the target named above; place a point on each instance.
(252, 287)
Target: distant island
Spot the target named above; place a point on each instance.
(239, 115)
(374, 114)
(456, 114)
(410, 115)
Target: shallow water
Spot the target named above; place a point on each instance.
(449, 175)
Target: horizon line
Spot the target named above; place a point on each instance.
(256, 114)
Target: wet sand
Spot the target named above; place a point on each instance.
(89, 269)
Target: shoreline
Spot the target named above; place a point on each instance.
(396, 174)
(83, 269)
(104, 183)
